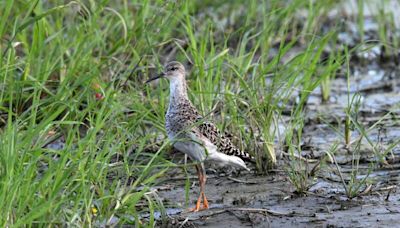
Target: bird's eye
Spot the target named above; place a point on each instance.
(172, 68)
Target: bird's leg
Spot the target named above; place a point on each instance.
(199, 174)
(202, 180)
(203, 186)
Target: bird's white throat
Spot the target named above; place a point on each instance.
(177, 89)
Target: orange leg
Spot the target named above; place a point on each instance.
(202, 197)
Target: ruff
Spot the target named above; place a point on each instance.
(191, 134)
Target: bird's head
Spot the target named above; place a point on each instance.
(171, 70)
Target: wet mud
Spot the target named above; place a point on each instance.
(271, 201)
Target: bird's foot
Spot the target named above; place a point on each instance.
(205, 206)
(205, 202)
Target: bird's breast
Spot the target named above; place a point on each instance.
(177, 122)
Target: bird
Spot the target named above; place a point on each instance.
(191, 134)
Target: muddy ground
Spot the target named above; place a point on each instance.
(270, 201)
(251, 200)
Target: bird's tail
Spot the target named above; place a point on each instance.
(230, 160)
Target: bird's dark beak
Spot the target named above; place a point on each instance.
(160, 75)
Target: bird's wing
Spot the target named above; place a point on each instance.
(221, 141)
(214, 135)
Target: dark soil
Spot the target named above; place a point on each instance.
(270, 201)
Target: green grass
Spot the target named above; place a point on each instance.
(76, 71)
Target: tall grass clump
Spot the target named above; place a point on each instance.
(359, 180)
(75, 150)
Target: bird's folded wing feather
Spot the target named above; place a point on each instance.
(220, 140)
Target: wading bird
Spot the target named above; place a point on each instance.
(191, 134)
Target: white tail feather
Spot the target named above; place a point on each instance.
(224, 159)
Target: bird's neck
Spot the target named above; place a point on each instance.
(178, 91)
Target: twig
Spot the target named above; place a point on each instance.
(386, 188)
(184, 222)
(388, 195)
(189, 216)
(300, 157)
(242, 181)
(201, 214)
(271, 212)
(366, 190)
(189, 177)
